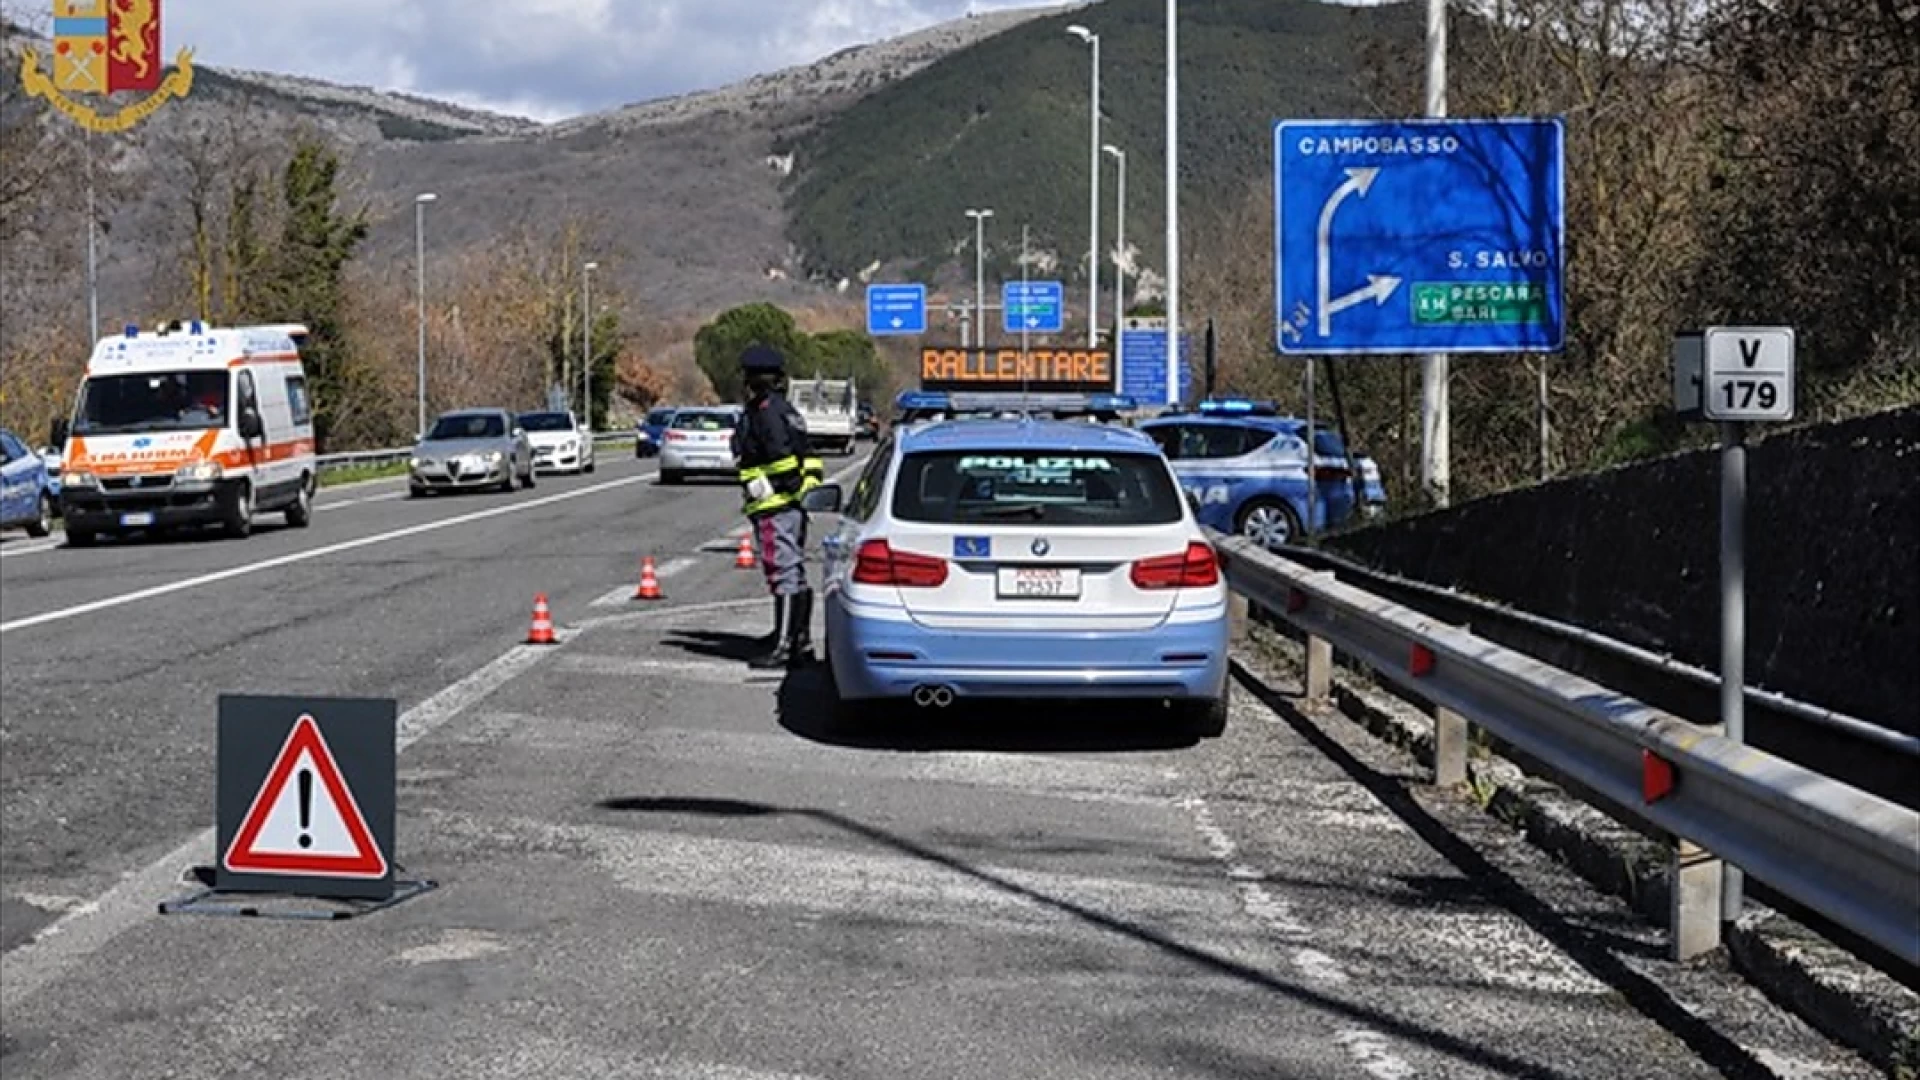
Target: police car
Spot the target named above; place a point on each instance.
(985, 556)
(1246, 466)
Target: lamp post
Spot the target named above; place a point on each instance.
(1093, 195)
(586, 358)
(1120, 254)
(1173, 204)
(980, 275)
(420, 287)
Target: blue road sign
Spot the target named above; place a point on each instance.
(1419, 236)
(896, 309)
(1034, 307)
(1143, 366)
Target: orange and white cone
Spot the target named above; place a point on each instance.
(744, 559)
(542, 631)
(649, 584)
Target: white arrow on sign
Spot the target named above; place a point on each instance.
(898, 322)
(1379, 286)
(1033, 320)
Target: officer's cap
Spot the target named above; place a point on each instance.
(762, 358)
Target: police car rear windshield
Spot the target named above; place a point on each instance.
(169, 401)
(1056, 487)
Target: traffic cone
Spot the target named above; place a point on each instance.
(542, 632)
(649, 585)
(744, 560)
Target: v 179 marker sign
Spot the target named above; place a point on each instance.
(306, 796)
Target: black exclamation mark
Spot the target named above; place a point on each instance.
(306, 807)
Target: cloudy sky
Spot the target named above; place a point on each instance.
(546, 59)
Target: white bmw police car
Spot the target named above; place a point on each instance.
(986, 557)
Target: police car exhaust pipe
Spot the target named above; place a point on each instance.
(935, 697)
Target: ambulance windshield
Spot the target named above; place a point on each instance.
(152, 401)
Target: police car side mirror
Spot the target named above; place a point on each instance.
(824, 499)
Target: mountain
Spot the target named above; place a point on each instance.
(1005, 124)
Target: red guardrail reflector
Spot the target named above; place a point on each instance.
(1421, 661)
(1656, 777)
(1296, 600)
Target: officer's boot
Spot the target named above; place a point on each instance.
(800, 631)
(782, 651)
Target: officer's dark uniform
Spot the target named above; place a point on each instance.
(777, 466)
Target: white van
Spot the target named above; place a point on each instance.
(189, 425)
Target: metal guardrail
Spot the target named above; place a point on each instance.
(354, 458)
(1460, 608)
(1842, 852)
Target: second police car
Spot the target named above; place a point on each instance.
(1026, 557)
(1247, 468)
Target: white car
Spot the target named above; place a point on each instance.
(1026, 558)
(559, 443)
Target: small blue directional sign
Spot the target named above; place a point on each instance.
(1143, 366)
(1419, 236)
(1034, 307)
(896, 309)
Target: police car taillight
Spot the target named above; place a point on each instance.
(1195, 568)
(876, 563)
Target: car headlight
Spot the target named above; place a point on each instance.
(414, 462)
(199, 471)
(77, 479)
(495, 457)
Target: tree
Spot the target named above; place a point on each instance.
(304, 279)
(640, 384)
(718, 345)
(846, 354)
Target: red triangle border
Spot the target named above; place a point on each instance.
(240, 858)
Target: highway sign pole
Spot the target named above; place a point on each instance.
(1313, 480)
(1119, 266)
(1435, 423)
(1173, 202)
(1093, 191)
(1546, 426)
(1026, 298)
(1733, 619)
(1748, 376)
(93, 274)
(586, 358)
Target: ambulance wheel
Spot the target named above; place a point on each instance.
(300, 510)
(237, 516)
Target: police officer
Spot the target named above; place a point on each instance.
(777, 467)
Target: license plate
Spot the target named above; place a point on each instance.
(1039, 583)
(132, 520)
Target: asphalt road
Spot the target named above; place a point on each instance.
(654, 863)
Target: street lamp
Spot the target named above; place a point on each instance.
(1173, 203)
(1120, 254)
(980, 273)
(420, 285)
(586, 360)
(1093, 196)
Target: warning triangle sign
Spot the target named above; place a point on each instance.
(304, 821)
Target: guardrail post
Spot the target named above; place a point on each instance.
(1239, 618)
(1449, 747)
(1693, 906)
(1319, 669)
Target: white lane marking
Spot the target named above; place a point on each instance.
(356, 502)
(11, 550)
(315, 553)
(1371, 1051)
(623, 595)
(92, 926)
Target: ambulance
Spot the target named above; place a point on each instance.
(189, 425)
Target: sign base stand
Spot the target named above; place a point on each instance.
(279, 905)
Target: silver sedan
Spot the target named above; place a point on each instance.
(471, 448)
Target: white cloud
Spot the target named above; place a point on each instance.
(547, 59)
